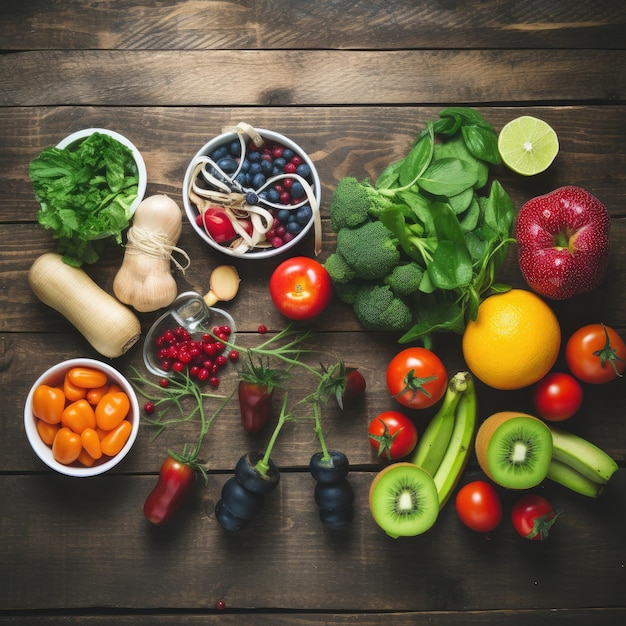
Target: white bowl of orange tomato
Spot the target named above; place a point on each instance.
(81, 417)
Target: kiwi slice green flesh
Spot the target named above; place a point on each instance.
(403, 500)
(519, 453)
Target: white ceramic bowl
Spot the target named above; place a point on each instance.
(80, 135)
(256, 253)
(55, 376)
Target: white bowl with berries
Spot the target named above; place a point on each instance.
(252, 193)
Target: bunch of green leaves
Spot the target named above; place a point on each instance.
(85, 192)
(444, 220)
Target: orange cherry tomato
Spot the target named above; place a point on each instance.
(47, 432)
(66, 446)
(71, 391)
(87, 377)
(48, 403)
(95, 395)
(85, 459)
(112, 409)
(114, 441)
(79, 415)
(91, 443)
(114, 388)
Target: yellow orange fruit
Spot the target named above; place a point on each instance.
(513, 342)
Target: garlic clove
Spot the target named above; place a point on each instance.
(224, 285)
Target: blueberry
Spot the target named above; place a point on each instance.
(243, 179)
(303, 170)
(266, 167)
(247, 474)
(273, 196)
(252, 198)
(235, 148)
(288, 154)
(240, 501)
(334, 496)
(277, 171)
(294, 227)
(254, 156)
(227, 165)
(336, 520)
(283, 215)
(297, 190)
(258, 180)
(227, 520)
(219, 153)
(330, 470)
(255, 168)
(244, 165)
(280, 164)
(304, 214)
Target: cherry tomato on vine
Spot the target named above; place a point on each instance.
(300, 288)
(417, 378)
(596, 354)
(175, 481)
(478, 506)
(557, 397)
(393, 435)
(533, 517)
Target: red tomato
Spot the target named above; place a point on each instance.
(417, 378)
(300, 288)
(478, 506)
(557, 397)
(393, 435)
(217, 224)
(533, 516)
(596, 354)
(175, 481)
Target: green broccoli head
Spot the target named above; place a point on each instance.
(405, 279)
(353, 203)
(370, 250)
(378, 308)
(338, 269)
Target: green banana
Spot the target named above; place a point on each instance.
(432, 445)
(582, 455)
(570, 478)
(460, 447)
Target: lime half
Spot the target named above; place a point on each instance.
(528, 145)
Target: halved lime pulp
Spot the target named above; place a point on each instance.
(528, 145)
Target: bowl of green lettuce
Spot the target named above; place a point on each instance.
(88, 187)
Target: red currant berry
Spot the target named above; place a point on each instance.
(214, 381)
(148, 407)
(203, 373)
(233, 355)
(220, 605)
(262, 329)
(164, 382)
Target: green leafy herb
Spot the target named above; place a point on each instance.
(439, 213)
(85, 192)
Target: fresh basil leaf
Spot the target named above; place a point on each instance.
(451, 266)
(442, 316)
(456, 147)
(469, 218)
(499, 211)
(482, 143)
(418, 159)
(389, 176)
(447, 177)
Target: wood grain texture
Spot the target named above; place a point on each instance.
(296, 24)
(326, 77)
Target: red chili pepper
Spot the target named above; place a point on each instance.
(175, 482)
(255, 404)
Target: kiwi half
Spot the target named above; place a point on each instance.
(514, 449)
(403, 500)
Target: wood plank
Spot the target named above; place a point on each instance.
(285, 550)
(325, 77)
(188, 24)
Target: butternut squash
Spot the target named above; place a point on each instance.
(110, 327)
(144, 279)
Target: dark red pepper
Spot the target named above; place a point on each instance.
(255, 404)
(174, 484)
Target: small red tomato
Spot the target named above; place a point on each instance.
(557, 397)
(478, 506)
(300, 288)
(218, 225)
(393, 435)
(417, 378)
(533, 517)
(596, 354)
(175, 481)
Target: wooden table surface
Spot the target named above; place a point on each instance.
(352, 83)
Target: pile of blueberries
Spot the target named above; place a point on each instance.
(252, 172)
